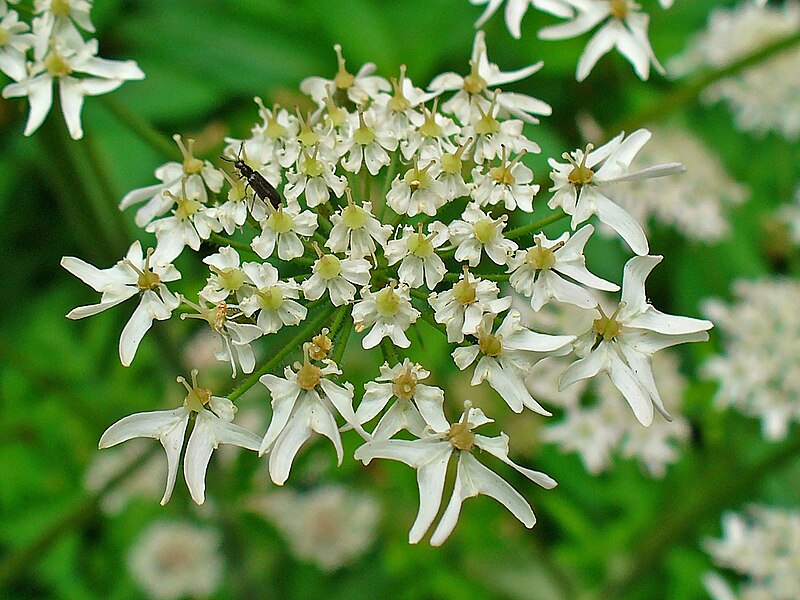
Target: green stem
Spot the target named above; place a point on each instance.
(222, 241)
(346, 325)
(723, 486)
(536, 226)
(487, 276)
(689, 91)
(305, 333)
(155, 139)
(389, 352)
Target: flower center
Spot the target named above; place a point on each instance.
(147, 279)
(540, 258)
(329, 266)
(232, 278)
(465, 292)
(607, 328)
(363, 135)
(618, 8)
(420, 245)
(580, 174)
(238, 191)
(461, 437)
(354, 217)
(387, 303)
(404, 384)
(308, 376)
(313, 167)
(56, 65)
(191, 165)
(343, 80)
(490, 344)
(320, 345)
(196, 397)
(502, 175)
(485, 230)
(60, 8)
(4, 37)
(398, 102)
(186, 207)
(307, 136)
(417, 178)
(270, 298)
(430, 128)
(280, 222)
(474, 83)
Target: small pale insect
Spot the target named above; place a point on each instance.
(255, 180)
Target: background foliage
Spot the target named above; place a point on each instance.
(618, 535)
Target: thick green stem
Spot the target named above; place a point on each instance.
(536, 226)
(305, 333)
(154, 138)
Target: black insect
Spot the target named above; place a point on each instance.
(255, 180)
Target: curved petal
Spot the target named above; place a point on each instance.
(141, 320)
(430, 481)
(201, 444)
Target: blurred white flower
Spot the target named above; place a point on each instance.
(758, 371)
(14, 43)
(171, 560)
(790, 215)
(516, 9)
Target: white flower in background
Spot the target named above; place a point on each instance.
(417, 251)
(369, 142)
(212, 427)
(758, 371)
(388, 312)
(273, 299)
(358, 89)
(623, 343)
(507, 355)
(133, 275)
(431, 454)
(417, 406)
(764, 97)
(62, 59)
(227, 276)
(461, 308)
(171, 560)
(14, 43)
(336, 276)
(695, 203)
(536, 273)
(304, 403)
(474, 90)
(623, 27)
(58, 15)
(509, 183)
(330, 526)
(191, 223)
(516, 9)
(762, 546)
(582, 183)
(235, 337)
(478, 233)
(356, 230)
(283, 228)
(199, 175)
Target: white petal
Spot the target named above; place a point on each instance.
(201, 444)
(141, 320)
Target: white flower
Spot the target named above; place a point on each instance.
(61, 13)
(417, 191)
(478, 233)
(536, 273)
(515, 10)
(336, 276)
(226, 278)
(235, 337)
(389, 313)
(14, 42)
(581, 184)
(212, 427)
(64, 59)
(131, 276)
(316, 178)
(417, 406)
(358, 89)
(274, 141)
(420, 263)
(507, 356)
(492, 136)
(191, 223)
(451, 163)
(174, 560)
(273, 299)
(623, 343)
(369, 140)
(198, 174)
(474, 89)
(304, 402)
(461, 308)
(624, 28)
(401, 106)
(431, 133)
(431, 454)
(508, 183)
(356, 230)
(282, 228)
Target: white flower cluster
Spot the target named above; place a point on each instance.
(694, 204)
(52, 50)
(790, 215)
(766, 96)
(330, 525)
(762, 547)
(174, 559)
(758, 372)
(384, 206)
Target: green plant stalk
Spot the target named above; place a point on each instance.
(536, 226)
(305, 333)
(346, 326)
